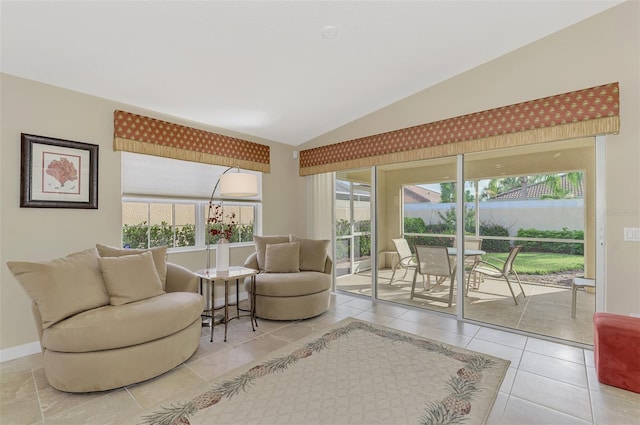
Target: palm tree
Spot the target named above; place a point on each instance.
(552, 181)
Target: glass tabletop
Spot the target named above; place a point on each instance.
(234, 272)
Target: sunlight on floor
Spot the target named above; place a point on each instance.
(546, 309)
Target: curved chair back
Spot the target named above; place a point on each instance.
(508, 264)
(433, 260)
(402, 246)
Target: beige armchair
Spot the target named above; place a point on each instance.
(112, 320)
(295, 277)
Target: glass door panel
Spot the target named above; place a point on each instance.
(539, 198)
(353, 231)
(416, 206)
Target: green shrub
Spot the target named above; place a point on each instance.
(557, 247)
(427, 240)
(140, 236)
(414, 225)
(490, 245)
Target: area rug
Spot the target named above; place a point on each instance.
(353, 372)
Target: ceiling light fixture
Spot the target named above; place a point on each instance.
(329, 32)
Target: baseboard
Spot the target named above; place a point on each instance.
(19, 351)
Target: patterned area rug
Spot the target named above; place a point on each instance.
(354, 372)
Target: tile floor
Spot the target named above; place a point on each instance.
(547, 383)
(546, 310)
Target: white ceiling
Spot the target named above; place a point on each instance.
(263, 67)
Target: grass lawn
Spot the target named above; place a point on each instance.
(538, 262)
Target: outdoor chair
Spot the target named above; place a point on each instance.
(406, 258)
(471, 260)
(487, 269)
(433, 261)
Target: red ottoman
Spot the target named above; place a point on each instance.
(616, 349)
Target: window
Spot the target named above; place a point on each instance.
(166, 201)
(148, 223)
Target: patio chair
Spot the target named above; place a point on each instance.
(407, 259)
(471, 260)
(487, 269)
(433, 261)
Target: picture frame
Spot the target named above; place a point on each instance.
(57, 173)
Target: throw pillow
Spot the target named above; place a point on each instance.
(261, 246)
(63, 287)
(130, 278)
(313, 253)
(159, 257)
(282, 258)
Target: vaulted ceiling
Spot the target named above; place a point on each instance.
(287, 71)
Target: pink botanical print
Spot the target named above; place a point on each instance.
(63, 168)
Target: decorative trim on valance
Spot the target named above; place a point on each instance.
(582, 113)
(140, 134)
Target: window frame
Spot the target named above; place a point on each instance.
(200, 218)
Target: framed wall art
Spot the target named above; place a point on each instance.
(58, 173)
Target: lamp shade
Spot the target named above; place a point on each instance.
(240, 185)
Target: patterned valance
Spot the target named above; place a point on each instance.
(140, 134)
(582, 113)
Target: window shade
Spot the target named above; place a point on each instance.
(140, 134)
(582, 113)
(153, 176)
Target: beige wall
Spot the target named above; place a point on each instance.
(33, 234)
(600, 50)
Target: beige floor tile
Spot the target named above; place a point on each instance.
(551, 367)
(595, 385)
(359, 304)
(375, 318)
(610, 409)
(451, 324)
(507, 382)
(385, 309)
(296, 330)
(495, 416)
(501, 337)
(527, 396)
(20, 411)
(160, 388)
(545, 311)
(523, 412)
(497, 350)
(111, 408)
(17, 383)
(589, 360)
(430, 332)
(419, 316)
(53, 402)
(263, 345)
(554, 349)
(556, 395)
(346, 310)
(215, 365)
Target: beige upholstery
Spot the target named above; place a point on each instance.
(296, 295)
(111, 346)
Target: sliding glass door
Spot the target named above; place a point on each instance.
(353, 231)
(539, 199)
(416, 207)
(542, 200)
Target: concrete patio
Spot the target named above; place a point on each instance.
(546, 310)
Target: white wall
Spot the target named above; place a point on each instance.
(33, 234)
(514, 215)
(599, 50)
